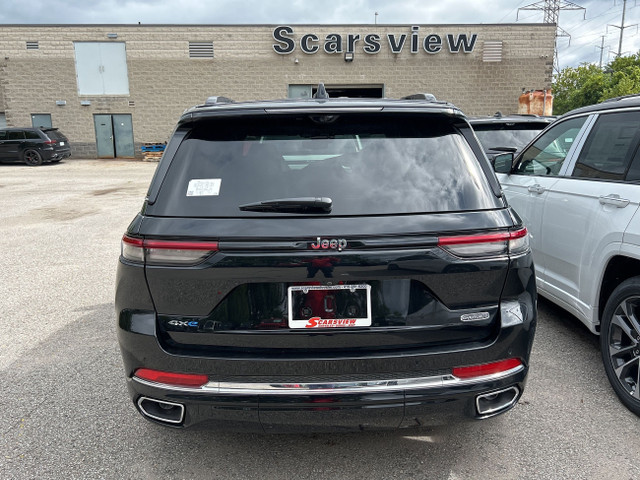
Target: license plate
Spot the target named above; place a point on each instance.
(329, 306)
(62, 144)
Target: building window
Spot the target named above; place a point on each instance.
(41, 120)
(32, 46)
(201, 49)
(101, 68)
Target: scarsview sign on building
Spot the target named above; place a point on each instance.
(372, 43)
(103, 92)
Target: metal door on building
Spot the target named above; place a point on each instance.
(41, 120)
(114, 135)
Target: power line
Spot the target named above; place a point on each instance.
(606, 12)
(513, 10)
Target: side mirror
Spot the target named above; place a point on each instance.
(503, 163)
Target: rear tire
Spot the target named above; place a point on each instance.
(620, 342)
(32, 157)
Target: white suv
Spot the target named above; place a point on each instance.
(577, 188)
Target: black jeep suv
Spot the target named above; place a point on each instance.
(324, 265)
(33, 146)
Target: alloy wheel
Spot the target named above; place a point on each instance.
(32, 157)
(624, 345)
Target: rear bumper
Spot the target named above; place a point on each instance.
(50, 154)
(288, 413)
(61, 154)
(384, 391)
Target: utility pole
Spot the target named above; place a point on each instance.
(624, 9)
(551, 9)
(622, 26)
(601, 49)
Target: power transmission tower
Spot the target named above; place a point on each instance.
(551, 9)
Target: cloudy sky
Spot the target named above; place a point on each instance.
(586, 27)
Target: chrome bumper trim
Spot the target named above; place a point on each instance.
(369, 386)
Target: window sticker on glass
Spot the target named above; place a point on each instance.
(204, 187)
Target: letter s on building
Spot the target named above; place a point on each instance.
(285, 44)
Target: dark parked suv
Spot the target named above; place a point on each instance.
(33, 146)
(324, 265)
(507, 133)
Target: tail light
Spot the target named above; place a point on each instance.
(50, 142)
(169, 378)
(166, 252)
(486, 369)
(486, 245)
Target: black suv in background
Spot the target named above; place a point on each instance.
(33, 146)
(306, 265)
(507, 133)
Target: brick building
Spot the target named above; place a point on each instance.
(110, 88)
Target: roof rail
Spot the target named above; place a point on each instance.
(216, 100)
(429, 97)
(616, 99)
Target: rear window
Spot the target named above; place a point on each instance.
(506, 135)
(54, 135)
(366, 164)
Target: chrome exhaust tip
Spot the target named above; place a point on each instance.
(160, 410)
(489, 404)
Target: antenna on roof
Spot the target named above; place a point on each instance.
(321, 94)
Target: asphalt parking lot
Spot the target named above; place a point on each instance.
(65, 411)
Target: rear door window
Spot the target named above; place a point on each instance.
(366, 164)
(611, 145)
(633, 175)
(16, 135)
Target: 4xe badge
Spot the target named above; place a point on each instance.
(182, 323)
(325, 244)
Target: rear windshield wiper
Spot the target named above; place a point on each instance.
(504, 149)
(297, 204)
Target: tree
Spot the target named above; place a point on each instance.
(588, 84)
